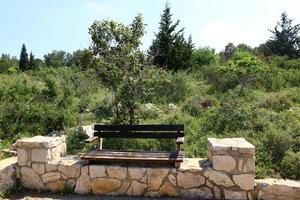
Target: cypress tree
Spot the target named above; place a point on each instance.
(32, 63)
(23, 62)
(169, 49)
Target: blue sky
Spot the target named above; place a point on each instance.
(46, 25)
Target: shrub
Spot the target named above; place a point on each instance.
(75, 142)
(204, 56)
(290, 165)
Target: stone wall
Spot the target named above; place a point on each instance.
(7, 173)
(228, 174)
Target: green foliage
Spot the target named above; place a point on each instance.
(75, 142)
(24, 62)
(290, 165)
(204, 56)
(285, 40)
(119, 62)
(56, 59)
(170, 50)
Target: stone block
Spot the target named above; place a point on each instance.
(244, 181)
(97, 171)
(136, 172)
(136, 188)
(224, 163)
(168, 189)
(70, 167)
(40, 155)
(30, 179)
(155, 177)
(39, 142)
(218, 178)
(50, 177)
(38, 168)
(117, 172)
(104, 185)
(51, 167)
(235, 195)
(83, 184)
(189, 180)
(22, 157)
(200, 193)
(56, 186)
(7, 173)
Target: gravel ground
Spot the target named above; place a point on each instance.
(32, 195)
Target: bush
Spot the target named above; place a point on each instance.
(75, 142)
(290, 165)
(204, 56)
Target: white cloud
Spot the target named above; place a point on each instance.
(101, 9)
(218, 34)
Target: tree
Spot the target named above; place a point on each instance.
(285, 40)
(32, 63)
(204, 56)
(118, 63)
(245, 68)
(228, 52)
(24, 62)
(169, 49)
(56, 59)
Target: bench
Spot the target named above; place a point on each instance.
(137, 157)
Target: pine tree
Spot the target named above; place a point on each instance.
(32, 63)
(285, 40)
(23, 62)
(169, 49)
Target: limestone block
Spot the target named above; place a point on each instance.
(56, 186)
(278, 188)
(155, 177)
(123, 188)
(104, 185)
(219, 178)
(168, 189)
(217, 193)
(50, 177)
(51, 167)
(222, 146)
(152, 194)
(189, 180)
(7, 173)
(117, 172)
(70, 167)
(172, 179)
(30, 179)
(235, 195)
(136, 188)
(22, 157)
(201, 193)
(249, 165)
(97, 171)
(38, 168)
(38, 142)
(40, 155)
(225, 163)
(83, 184)
(244, 181)
(136, 172)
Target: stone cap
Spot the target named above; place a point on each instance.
(220, 146)
(39, 142)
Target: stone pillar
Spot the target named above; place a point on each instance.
(33, 155)
(236, 158)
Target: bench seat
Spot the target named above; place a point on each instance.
(138, 157)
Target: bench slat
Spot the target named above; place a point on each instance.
(159, 135)
(144, 127)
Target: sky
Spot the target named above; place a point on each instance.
(46, 25)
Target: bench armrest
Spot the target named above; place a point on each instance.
(180, 140)
(91, 140)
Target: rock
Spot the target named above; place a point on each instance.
(278, 188)
(189, 180)
(136, 189)
(88, 130)
(39, 142)
(152, 194)
(235, 195)
(38, 168)
(84, 170)
(172, 106)
(217, 192)
(30, 179)
(83, 184)
(219, 178)
(249, 165)
(71, 183)
(225, 163)
(97, 171)
(8, 173)
(51, 167)
(244, 181)
(172, 179)
(22, 157)
(116, 172)
(56, 186)
(201, 193)
(155, 177)
(123, 188)
(70, 167)
(104, 185)
(40, 155)
(50, 177)
(136, 172)
(168, 189)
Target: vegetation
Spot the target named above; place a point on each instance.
(236, 93)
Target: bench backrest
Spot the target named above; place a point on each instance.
(139, 131)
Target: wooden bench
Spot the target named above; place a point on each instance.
(136, 131)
